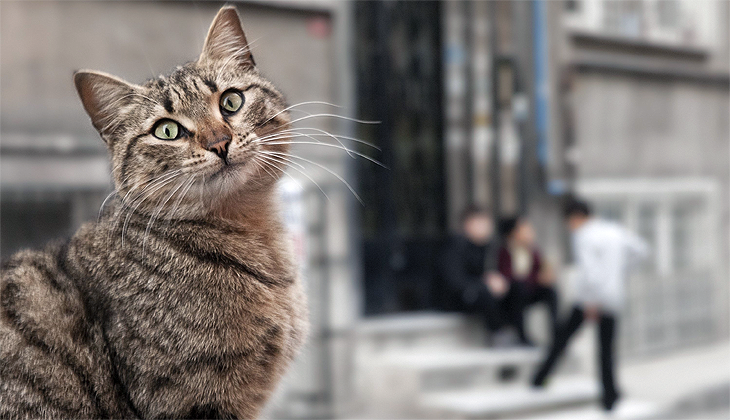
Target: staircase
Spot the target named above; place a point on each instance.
(433, 365)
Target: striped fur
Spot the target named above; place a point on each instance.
(183, 301)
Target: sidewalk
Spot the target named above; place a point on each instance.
(666, 380)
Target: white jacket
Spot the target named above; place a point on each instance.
(604, 252)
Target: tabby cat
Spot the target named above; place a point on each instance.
(183, 300)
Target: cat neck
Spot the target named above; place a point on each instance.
(249, 209)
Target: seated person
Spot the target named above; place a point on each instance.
(468, 269)
(530, 278)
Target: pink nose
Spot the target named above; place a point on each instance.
(220, 146)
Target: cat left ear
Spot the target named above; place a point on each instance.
(102, 96)
(226, 39)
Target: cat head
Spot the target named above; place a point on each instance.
(188, 142)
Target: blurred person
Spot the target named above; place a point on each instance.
(530, 278)
(468, 268)
(604, 251)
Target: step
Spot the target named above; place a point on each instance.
(624, 410)
(375, 337)
(395, 381)
(418, 330)
(458, 368)
(462, 358)
(516, 400)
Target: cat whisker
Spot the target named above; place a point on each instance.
(352, 190)
(141, 198)
(277, 159)
(184, 195)
(259, 165)
(328, 134)
(286, 134)
(178, 202)
(145, 187)
(103, 203)
(290, 107)
(149, 182)
(157, 212)
(331, 145)
(347, 150)
(326, 115)
(256, 159)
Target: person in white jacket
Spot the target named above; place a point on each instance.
(604, 252)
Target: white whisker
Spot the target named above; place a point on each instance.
(352, 190)
(331, 145)
(280, 160)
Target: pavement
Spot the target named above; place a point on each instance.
(666, 380)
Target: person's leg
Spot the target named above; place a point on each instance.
(559, 344)
(486, 307)
(514, 305)
(606, 331)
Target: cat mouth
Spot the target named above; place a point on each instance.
(228, 169)
(235, 167)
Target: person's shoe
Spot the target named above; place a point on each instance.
(537, 382)
(609, 401)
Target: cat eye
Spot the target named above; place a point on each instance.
(167, 130)
(231, 102)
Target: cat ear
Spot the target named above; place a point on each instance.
(102, 96)
(226, 40)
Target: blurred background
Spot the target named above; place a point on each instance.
(510, 105)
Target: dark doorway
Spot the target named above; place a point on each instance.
(398, 56)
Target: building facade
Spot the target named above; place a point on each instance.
(647, 89)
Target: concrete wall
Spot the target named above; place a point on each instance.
(44, 42)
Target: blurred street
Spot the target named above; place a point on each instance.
(510, 109)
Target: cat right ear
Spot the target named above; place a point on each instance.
(102, 96)
(226, 40)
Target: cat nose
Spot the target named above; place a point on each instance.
(220, 147)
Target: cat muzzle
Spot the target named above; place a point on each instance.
(220, 148)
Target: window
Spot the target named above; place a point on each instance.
(666, 22)
(623, 17)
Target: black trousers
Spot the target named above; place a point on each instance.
(510, 309)
(606, 332)
(487, 307)
(520, 297)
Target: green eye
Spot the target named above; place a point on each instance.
(167, 130)
(231, 102)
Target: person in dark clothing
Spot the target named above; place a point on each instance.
(469, 271)
(530, 279)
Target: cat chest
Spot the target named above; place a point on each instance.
(201, 349)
